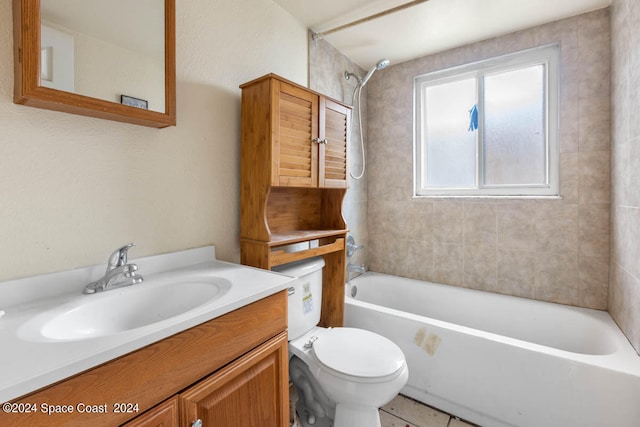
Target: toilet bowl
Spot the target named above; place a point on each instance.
(342, 375)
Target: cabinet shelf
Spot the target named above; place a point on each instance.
(298, 236)
(293, 182)
(284, 257)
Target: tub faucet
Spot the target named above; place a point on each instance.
(351, 246)
(359, 268)
(118, 274)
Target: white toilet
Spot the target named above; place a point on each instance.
(342, 375)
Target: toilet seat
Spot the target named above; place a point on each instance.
(358, 355)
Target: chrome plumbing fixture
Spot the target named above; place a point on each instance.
(118, 274)
(383, 63)
(351, 246)
(357, 268)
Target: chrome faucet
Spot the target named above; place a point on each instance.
(357, 268)
(118, 274)
(351, 246)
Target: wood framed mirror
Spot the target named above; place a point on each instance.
(39, 83)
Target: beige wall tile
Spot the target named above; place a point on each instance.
(593, 229)
(516, 228)
(593, 282)
(557, 278)
(570, 176)
(556, 227)
(388, 255)
(595, 177)
(480, 267)
(632, 172)
(420, 260)
(480, 224)
(448, 264)
(516, 272)
(624, 295)
(448, 221)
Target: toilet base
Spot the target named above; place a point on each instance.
(356, 416)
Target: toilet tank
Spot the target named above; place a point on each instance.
(305, 296)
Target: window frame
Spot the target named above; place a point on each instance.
(549, 56)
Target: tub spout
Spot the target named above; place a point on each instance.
(360, 268)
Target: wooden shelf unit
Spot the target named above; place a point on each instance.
(293, 182)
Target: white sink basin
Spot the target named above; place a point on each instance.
(121, 310)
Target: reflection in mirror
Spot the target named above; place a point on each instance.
(104, 49)
(111, 59)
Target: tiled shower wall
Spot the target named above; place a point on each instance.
(624, 287)
(552, 250)
(326, 75)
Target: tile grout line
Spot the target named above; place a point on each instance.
(409, 423)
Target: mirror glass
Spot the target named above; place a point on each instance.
(111, 50)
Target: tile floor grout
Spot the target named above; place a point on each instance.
(404, 411)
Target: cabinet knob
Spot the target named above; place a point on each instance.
(319, 141)
(197, 423)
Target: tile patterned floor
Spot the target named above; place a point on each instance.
(405, 412)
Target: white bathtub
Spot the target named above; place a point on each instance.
(498, 360)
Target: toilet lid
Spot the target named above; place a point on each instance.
(358, 353)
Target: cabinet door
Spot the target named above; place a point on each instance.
(294, 130)
(250, 392)
(335, 125)
(164, 414)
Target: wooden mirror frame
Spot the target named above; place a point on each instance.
(27, 89)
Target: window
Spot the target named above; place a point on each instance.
(489, 128)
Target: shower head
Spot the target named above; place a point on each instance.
(383, 63)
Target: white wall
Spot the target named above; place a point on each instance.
(73, 188)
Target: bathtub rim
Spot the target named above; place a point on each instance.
(623, 359)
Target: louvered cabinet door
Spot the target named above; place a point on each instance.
(295, 128)
(335, 122)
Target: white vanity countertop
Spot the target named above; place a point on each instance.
(28, 365)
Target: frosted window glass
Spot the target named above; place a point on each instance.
(450, 147)
(514, 138)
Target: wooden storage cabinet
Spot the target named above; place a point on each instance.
(245, 393)
(240, 355)
(309, 136)
(293, 181)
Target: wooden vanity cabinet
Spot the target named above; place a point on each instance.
(231, 371)
(166, 414)
(293, 181)
(245, 393)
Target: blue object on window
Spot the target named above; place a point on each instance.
(473, 118)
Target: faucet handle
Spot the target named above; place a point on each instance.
(119, 257)
(351, 246)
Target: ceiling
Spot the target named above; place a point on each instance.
(427, 26)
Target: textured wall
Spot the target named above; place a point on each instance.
(552, 250)
(326, 75)
(624, 279)
(73, 188)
